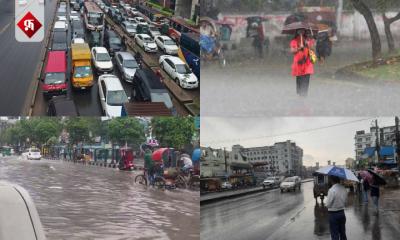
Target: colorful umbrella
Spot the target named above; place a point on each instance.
(158, 154)
(196, 155)
(366, 176)
(342, 173)
(293, 27)
(377, 178)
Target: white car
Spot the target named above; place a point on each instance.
(129, 28)
(74, 16)
(33, 154)
(112, 95)
(154, 31)
(290, 184)
(226, 185)
(140, 20)
(78, 40)
(126, 65)
(62, 18)
(102, 60)
(134, 11)
(179, 71)
(167, 45)
(146, 42)
(60, 26)
(22, 3)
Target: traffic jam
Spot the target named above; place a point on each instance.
(118, 59)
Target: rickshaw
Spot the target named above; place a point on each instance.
(210, 185)
(210, 45)
(126, 161)
(321, 186)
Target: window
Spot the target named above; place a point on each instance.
(359, 140)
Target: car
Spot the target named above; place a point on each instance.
(145, 42)
(59, 42)
(74, 16)
(179, 71)
(112, 42)
(127, 65)
(147, 87)
(62, 106)
(226, 185)
(54, 81)
(167, 45)
(62, 18)
(60, 26)
(77, 30)
(33, 154)
(112, 95)
(19, 216)
(22, 3)
(76, 7)
(78, 40)
(129, 28)
(134, 12)
(271, 182)
(139, 20)
(154, 31)
(290, 184)
(101, 60)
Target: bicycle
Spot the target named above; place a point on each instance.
(142, 179)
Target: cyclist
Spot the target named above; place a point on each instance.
(149, 166)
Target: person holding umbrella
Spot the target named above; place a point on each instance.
(377, 180)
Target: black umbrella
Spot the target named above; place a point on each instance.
(293, 27)
(378, 179)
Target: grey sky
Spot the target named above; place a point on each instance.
(334, 143)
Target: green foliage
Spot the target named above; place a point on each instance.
(78, 129)
(173, 132)
(126, 130)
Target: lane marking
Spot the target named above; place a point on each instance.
(5, 28)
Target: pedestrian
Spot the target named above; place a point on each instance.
(302, 67)
(324, 46)
(365, 189)
(375, 195)
(336, 200)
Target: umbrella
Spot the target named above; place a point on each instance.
(293, 27)
(158, 154)
(378, 179)
(196, 155)
(366, 176)
(340, 172)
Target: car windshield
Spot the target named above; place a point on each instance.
(169, 42)
(83, 71)
(116, 98)
(147, 40)
(115, 40)
(130, 64)
(183, 69)
(162, 97)
(103, 57)
(54, 78)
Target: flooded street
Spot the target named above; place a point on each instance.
(89, 202)
(278, 216)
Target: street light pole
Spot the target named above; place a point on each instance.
(377, 146)
(397, 135)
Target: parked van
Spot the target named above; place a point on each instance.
(55, 75)
(82, 74)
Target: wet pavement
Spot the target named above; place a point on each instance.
(88, 202)
(254, 87)
(278, 216)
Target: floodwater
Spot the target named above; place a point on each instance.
(88, 202)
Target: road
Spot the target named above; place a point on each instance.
(278, 216)
(254, 87)
(15, 83)
(88, 202)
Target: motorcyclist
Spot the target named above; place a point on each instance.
(138, 58)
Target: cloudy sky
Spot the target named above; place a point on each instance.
(322, 138)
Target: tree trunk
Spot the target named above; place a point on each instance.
(360, 6)
(388, 31)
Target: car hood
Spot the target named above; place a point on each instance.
(269, 181)
(189, 77)
(105, 65)
(59, 46)
(130, 71)
(171, 47)
(151, 45)
(287, 184)
(114, 111)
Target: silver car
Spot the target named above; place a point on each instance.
(127, 65)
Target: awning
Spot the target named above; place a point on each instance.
(384, 151)
(238, 166)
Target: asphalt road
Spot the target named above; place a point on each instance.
(87, 202)
(279, 216)
(254, 87)
(18, 61)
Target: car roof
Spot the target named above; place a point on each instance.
(57, 62)
(59, 24)
(150, 79)
(126, 55)
(64, 106)
(164, 37)
(100, 49)
(112, 82)
(175, 60)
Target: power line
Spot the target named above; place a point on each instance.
(288, 133)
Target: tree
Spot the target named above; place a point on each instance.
(44, 129)
(384, 5)
(173, 132)
(78, 129)
(126, 130)
(363, 8)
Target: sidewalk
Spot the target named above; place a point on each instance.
(217, 196)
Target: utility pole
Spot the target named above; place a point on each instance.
(226, 165)
(397, 135)
(377, 146)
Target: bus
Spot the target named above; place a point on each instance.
(189, 51)
(94, 17)
(152, 15)
(177, 26)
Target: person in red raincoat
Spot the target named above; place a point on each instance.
(302, 67)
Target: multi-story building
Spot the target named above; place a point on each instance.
(189, 9)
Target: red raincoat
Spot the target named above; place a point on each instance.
(299, 66)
